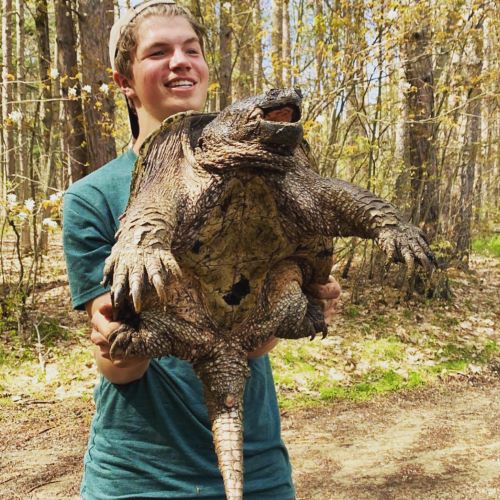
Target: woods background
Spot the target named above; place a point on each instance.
(400, 97)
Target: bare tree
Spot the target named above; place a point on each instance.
(420, 126)
(286, 52)
(7, 88)
(257, 49)
(95, 18)
(74, 136)
(472, 142)
(243, 49)
(225, 47)
(277, 42)
(22, 132)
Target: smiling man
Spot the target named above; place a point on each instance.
(151, 437)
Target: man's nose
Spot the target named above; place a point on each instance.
(179, 59)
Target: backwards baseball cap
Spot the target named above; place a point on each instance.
(114, 37)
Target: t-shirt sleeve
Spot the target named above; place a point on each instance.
(87, 241)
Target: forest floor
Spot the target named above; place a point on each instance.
(401, 401)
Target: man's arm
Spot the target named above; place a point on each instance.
(99, 311)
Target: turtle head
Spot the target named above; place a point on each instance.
(259, 131)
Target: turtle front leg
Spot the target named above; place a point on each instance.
(142, 256)
(331, 207)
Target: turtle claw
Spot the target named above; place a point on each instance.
(125, 343)
(130, 268)
(407, 243)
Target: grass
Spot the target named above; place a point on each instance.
(487, 245)
(312, 373)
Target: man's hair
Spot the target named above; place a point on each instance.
(127, 43)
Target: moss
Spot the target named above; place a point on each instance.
(388, 348)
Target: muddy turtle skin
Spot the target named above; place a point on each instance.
(227, 224)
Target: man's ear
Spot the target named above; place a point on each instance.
(125, 85)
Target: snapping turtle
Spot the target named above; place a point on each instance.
(226, 225)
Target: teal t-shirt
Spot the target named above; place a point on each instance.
(151, 438)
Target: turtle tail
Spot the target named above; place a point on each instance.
(224, 376)
(227, 428)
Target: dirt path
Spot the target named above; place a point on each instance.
(436, 443)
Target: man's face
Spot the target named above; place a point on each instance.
(169, 71)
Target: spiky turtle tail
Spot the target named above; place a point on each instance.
(227, 428)
(224, 375)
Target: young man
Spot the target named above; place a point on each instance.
(150, 437)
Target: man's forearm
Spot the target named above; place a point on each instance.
(122, 372)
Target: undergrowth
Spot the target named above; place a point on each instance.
(487, 245)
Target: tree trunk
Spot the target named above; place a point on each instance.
(277, 42)
(257, 49)
(22, 132)
(7, 91)
(286, 54)
(74, 134)
(95, 21)
(225, 46)
(243, 53)
(319, 31)
(472, 141)
(47, 166)
(420, 129)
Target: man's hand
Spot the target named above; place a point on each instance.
(102, 327)
(117, 371)
(329, 294)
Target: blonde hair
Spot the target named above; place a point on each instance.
(127, 43)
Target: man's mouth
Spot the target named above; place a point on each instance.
(185, 84)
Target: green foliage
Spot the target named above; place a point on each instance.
(487, 245)
(352, 311)
(50, 332)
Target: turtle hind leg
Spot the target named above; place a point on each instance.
(157, 334)
(309, 324)
(284, 310)
(145, 337)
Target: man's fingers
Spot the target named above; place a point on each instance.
(101, 321)
(107, 311)
(101, 342)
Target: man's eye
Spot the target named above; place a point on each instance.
(157, 53)
(192, 51)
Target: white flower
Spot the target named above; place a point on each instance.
(392, 14)
(227, 5)
(55, 197)
(72, 91)
(11, 200)
(29, 204)
(87, 88)
(48, 222)
(54, 73)
(16, 116)
(22, 215)
(104, 88)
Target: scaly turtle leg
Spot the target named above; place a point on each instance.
(284, 310)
